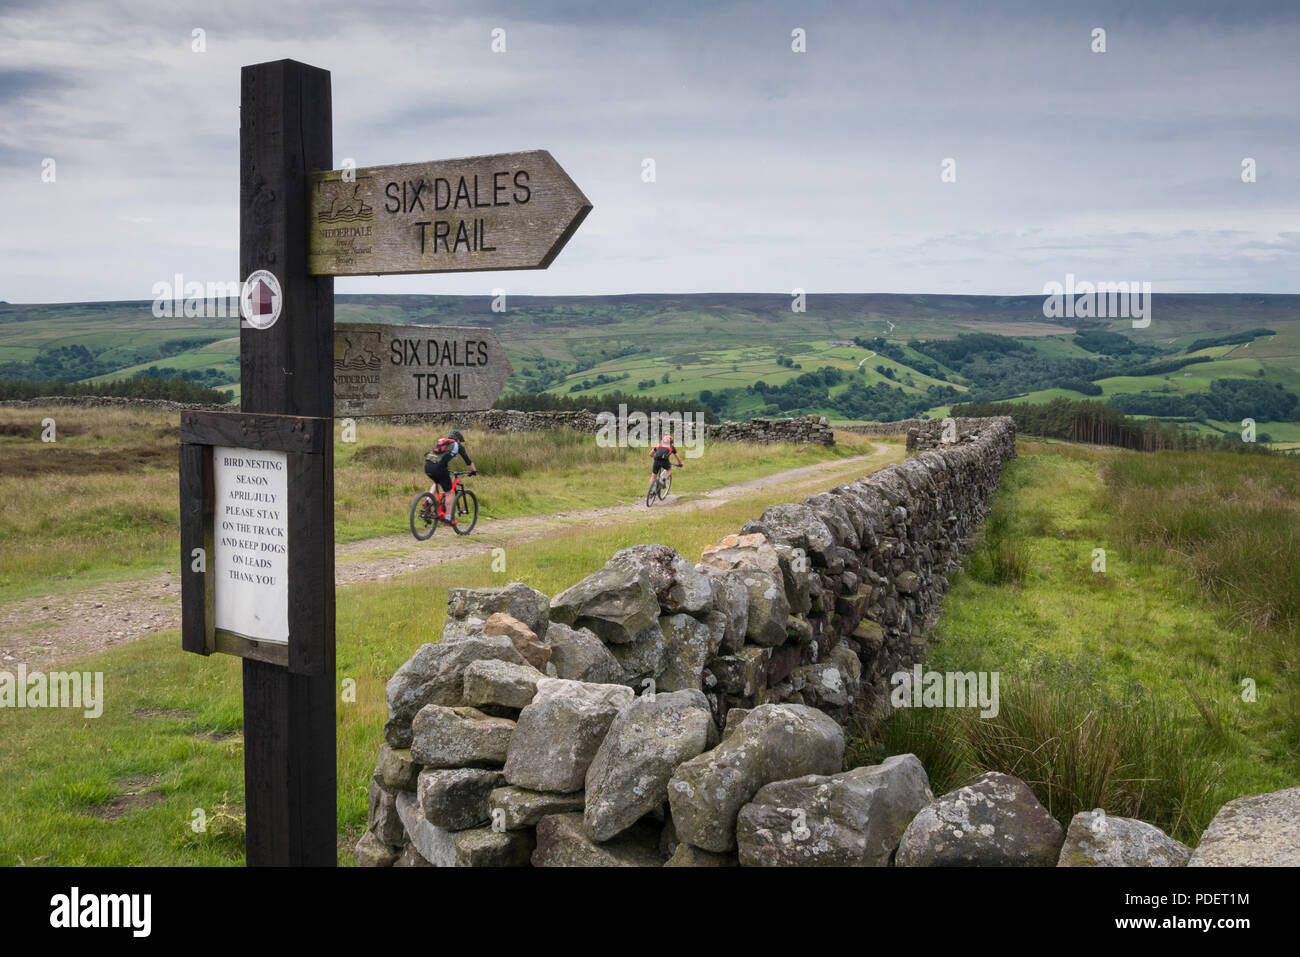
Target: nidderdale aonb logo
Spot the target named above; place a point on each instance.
(76, 910)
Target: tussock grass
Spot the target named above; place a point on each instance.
(1077, 749)
(1000, 558)
(1125, 689)
(1233, 522)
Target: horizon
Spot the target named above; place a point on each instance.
(615, 295)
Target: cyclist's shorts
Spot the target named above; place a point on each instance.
(660, 464)
(438, 472)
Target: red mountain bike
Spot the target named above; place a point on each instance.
(659, 486)
(464, 511)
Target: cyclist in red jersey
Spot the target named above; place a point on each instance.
(436, 462)
(659, 456)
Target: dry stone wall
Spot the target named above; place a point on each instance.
(922, 434)
(882, 428)
(804, 429)
(940, 433)
(106, 401)
(807, 428)
(664, 711)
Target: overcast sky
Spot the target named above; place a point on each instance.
(819, 170)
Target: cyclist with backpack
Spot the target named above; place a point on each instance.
(436, 466)
(659, 456)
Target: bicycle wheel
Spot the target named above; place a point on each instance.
(666, 484)
(424, 521)
(466, 512)
(653, 492)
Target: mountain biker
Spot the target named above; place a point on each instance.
(436, 462)
(659, 456)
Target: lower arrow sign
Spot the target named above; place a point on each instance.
(402, 370)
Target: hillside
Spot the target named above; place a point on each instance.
(848, 356)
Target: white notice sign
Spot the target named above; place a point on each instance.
(250, 537)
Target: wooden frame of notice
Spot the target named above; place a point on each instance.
(304, 440)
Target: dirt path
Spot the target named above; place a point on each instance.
(45, 631)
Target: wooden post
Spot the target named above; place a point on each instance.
(289, 716)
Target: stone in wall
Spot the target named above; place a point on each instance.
(645, 744)
(853, 819)
(435, 674)
(996, 821)
(1256, 831)
(1096, 839)
(772, 743)
(558, 734)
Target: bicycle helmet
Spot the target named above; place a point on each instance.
(455, 434)
(668, 440)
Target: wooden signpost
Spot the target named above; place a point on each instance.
(257, 486)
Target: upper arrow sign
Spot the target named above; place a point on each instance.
(508, 211)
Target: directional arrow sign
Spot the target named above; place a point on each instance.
(508, 211)
(399, 370)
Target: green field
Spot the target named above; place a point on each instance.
(589, 347)
(689, 373)
(222, 355)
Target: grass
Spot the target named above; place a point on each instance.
(535, 473)
(1000, 558)
(1123, 689)
(1234, 526)
(717, 369)
(173, 718)
(65, 510)
(67, 517)
(1077, 748)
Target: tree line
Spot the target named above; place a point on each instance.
(1227, 400)
(136, 387)
(545, 402)
(1096, 423)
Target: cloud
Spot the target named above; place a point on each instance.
(775, 169)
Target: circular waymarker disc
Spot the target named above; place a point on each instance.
(260, 299)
